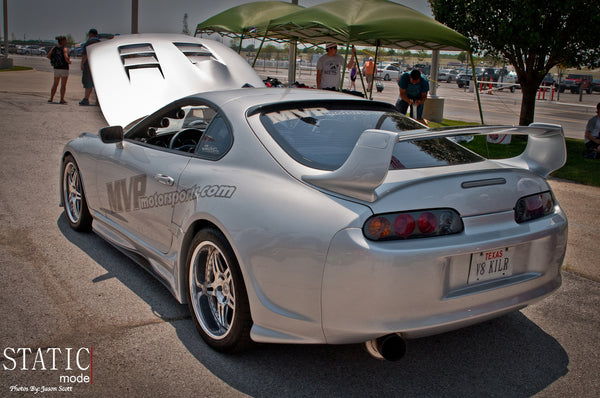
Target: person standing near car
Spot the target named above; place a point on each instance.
(329, 67)
(413, 92)
(592, 136)
(368, 70)
(353, 66)
(86, 76)
(59, 58)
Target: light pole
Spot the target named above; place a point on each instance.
(134, 16)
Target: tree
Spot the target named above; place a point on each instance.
(533, 35)
(462, 57)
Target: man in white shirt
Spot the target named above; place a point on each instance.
(329, 68)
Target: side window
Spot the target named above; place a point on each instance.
(216, 140)
(198, 117)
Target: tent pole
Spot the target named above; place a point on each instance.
(241, 40)
(345, 64)
(475, 87)
(292, 62)
(362, 82)
(374, 71)
(259, 48)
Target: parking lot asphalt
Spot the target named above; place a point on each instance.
(581, 203)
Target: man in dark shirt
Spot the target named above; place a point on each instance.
(413, 91)
(86, 76)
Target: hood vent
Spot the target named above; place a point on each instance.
(195, 52)
(139, 56)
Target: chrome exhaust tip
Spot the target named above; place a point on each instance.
(391, 347)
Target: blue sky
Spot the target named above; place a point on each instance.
(46, 19)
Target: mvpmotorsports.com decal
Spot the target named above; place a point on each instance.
(124, 196)
(66, 367)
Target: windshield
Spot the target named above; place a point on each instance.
(322, 137)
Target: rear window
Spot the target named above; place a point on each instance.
(322, 137)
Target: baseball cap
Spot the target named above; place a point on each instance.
(330, 45)
(370, 58)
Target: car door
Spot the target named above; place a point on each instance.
(137, 189)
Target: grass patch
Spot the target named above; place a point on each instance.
(16, 68)
(577, 168)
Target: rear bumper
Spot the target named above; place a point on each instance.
(420, 287)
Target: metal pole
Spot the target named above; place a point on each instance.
(5, 29)
(134, 16)
(259, 48)
(344, 67)
(292, 57)
(5, 62)
(374, 71)
(475, 87)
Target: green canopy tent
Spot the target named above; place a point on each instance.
(249, 20)
(379, 23)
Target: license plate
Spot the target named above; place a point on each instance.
(491, 264)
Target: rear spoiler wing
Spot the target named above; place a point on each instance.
(367, 166)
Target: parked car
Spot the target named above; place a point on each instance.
(33, 50)
(547, 82)
(464, 79)
(76, 51)
(389, 72)
(596, 85)
(576, 82)
(447, 75)
(287, 215)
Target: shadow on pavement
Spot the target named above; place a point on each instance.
(508, 356)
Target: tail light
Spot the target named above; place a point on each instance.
(413, 224)
(534, 206)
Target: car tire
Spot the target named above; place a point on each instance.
(216, 293)
(73, 196)
(387, 77)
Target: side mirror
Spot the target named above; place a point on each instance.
(111, 134)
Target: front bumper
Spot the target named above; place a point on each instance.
(420, 287)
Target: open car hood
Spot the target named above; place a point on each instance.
(135, 75)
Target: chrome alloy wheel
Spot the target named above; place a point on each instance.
(72, 192)
(212, 290)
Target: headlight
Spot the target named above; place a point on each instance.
(534, 206)
(413, 224)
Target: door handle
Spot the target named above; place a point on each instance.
(164, 179)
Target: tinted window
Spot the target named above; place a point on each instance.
(323, 137)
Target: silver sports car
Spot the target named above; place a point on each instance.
(306, 216)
